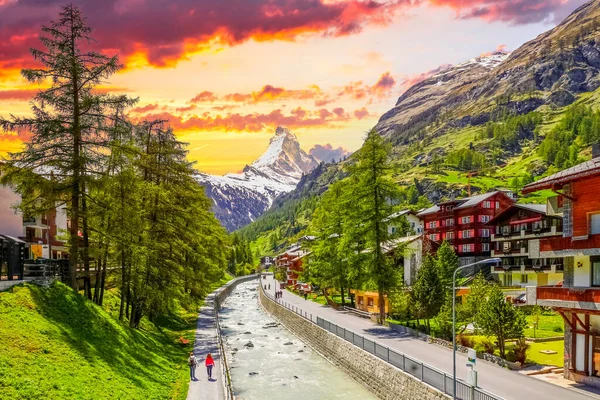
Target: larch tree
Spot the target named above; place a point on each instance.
(370, 196)
(328, 266)
(428, 291)
(67, 127)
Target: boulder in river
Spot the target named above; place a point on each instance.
(249, 344)
(288, 343)
(253, 373)
(247, 333)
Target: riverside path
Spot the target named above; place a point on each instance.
(502, 382)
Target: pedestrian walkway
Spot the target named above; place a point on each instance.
(492, 378)
(207, 342)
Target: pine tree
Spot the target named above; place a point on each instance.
(369, 198)
(68, 126)
(447, 262)
(328, 265)
(498, 318)
(428, 291)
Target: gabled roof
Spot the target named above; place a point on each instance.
(399, 214)
(474, 200)
(538, 208)
(392, 244)
(580, 171)
(430, 210)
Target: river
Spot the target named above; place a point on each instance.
(277, 366)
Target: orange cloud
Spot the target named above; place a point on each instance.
(128, 27)
(204, 96)
(258, 122)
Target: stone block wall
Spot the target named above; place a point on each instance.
(381, 378)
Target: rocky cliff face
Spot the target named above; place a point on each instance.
(551, 69)
(240, 198)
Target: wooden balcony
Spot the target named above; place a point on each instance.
(586, 298)
(567, 246)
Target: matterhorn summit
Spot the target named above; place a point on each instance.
(239, 199)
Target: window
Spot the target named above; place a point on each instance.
(497, 204)
(595, 261)
(595, 224)
(393, 230)
(370, 302)
(487, 204)
(465, 220)
(450, 235)
(432, 225)
(467, 248)
(360, 300)
(484, 218)
(524, 278)
(466, 233)
(450, 222)
(485, 233)
(485, 247)
(507, 280)
(432, 237)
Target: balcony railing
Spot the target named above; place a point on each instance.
(562, 243)
(584, 294)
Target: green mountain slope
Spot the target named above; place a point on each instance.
(55, 344)
(493, 122)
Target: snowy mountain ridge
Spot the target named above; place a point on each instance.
(239, 199)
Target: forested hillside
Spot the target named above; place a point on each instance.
(500, 121)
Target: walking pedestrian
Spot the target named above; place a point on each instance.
(193, 363)
(305, 295)
(210, 363)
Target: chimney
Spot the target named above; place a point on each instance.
(596, 150)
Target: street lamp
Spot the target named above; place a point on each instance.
(486, 261)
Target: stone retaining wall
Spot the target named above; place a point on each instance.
(381, 378)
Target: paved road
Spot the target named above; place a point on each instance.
(502, 382)
(206, 342)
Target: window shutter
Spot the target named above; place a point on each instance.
(460, 234)
(472, 234)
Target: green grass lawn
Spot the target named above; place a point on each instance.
(550, 325)
(534, 355)
(319, 298)
(55, 344)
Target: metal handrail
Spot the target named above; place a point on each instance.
(440, 380)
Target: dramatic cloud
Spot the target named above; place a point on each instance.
(271, 93)
(145, 109)
(205, 96)
(186, 109)
(163, 32)
(362, 113)
(383, 85)
(327, 153)
(21, 95)
(257, 122)
(511, 11)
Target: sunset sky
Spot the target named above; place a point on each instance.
(226, 73)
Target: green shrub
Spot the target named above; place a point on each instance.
(558, 329)
(520, 350)
(465, 341)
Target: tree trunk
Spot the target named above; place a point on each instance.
(103, 283)
(342, 293)
(77, 167)
(86, 244)
(123, 285)
(381, 301)
(98, 277)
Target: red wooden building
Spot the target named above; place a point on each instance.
(290, 262)
(462, 223)
(578, 298)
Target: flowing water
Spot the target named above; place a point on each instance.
(277, 366)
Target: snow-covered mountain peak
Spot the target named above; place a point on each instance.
(240, 198)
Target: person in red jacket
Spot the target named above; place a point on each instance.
(210, 363)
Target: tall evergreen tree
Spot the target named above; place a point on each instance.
(370, 195)
(67, 127)
(428, 291)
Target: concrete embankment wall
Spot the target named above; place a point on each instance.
(383, 379)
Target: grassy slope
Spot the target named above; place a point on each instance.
(55, 344)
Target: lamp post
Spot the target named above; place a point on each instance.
(486, 261)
